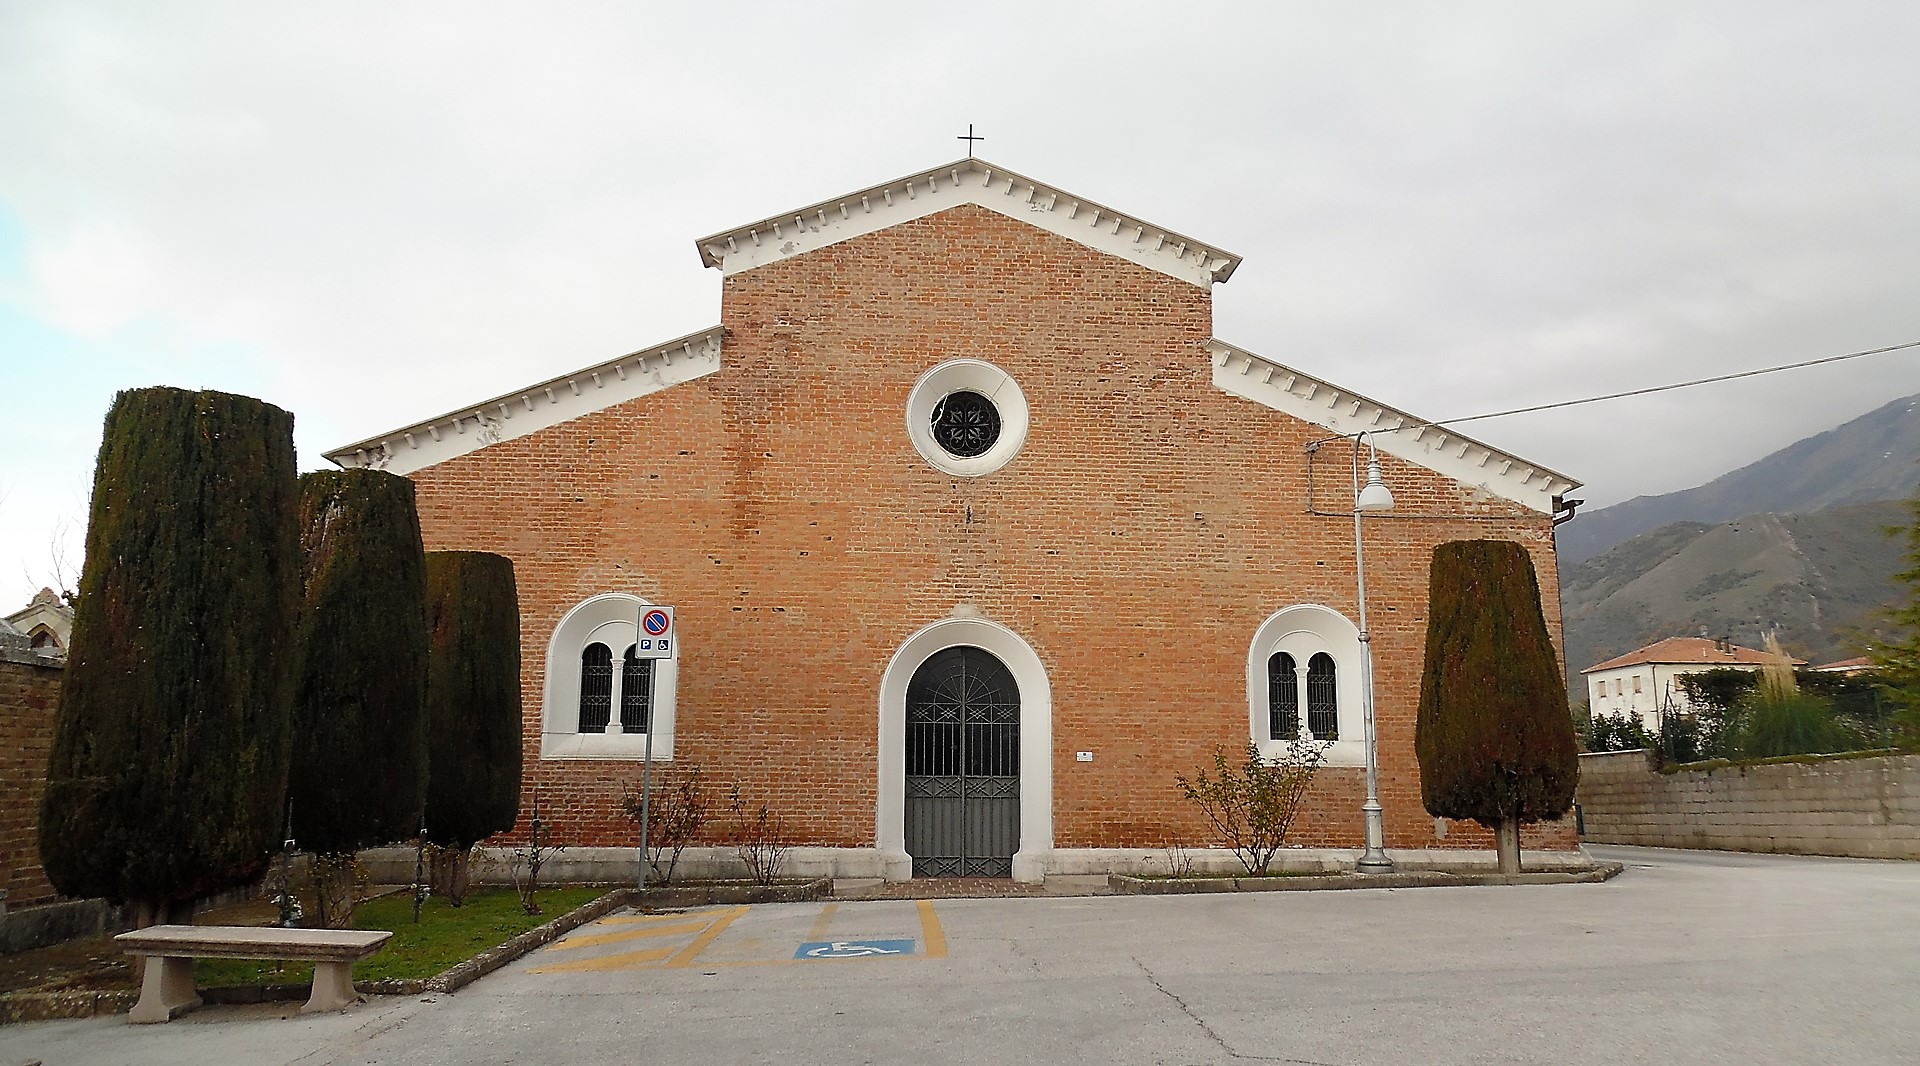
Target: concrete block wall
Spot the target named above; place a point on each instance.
(1860, 807)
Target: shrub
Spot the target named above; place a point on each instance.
(473, 709)
(1252, 805)
(1790, 723)
(360, 759)
(1493, 738)
(169, 758)
(675, 817)
(761, 837)
(1624, 733)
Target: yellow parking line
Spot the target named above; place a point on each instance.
(935, 936)
(820, 924)
(609, 962)
(631, 934)
(705, 940)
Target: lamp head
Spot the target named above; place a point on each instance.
(1374, 496)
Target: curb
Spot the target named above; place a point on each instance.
(460, 975)
(732, 892)
(1123, 885)
(49, 1006)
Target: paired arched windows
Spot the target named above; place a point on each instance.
(1288, 690)
(601, 691)
(1303, 683)
(601, 701)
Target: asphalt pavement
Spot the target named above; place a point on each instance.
(1689, 957)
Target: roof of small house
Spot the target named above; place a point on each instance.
(1688, 651)
(1847, 666)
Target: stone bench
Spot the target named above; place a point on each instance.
(168, 992)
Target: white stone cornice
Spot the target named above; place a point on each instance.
(549, 403)
(966, 181)
(1438, 448)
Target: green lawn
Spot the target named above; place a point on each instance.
(446, 935)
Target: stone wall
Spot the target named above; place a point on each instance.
(1862, 807)
(29, 696)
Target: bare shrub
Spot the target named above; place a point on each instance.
(1252, 805)
(1179, 858)
(760, 836)
(525, 861)
(676, 816)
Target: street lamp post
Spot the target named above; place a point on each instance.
(1374, 497)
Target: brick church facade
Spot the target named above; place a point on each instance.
(963, 444)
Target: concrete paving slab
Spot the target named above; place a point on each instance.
(1701, 957)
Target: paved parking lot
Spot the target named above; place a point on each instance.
(1686, 957)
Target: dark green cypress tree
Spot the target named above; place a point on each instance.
(169, 758)
(359, 723)
(473, 707)
(1493, 736)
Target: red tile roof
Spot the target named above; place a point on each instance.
(1689, 651)
(1848, 665)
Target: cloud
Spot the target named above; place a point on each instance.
(374, 213)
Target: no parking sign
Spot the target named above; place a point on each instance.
(656, 638)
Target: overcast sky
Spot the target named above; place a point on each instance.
(372, 213)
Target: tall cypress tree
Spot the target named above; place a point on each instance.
(1493, 737)
(359, 758)
(473, 706)
(169, 757)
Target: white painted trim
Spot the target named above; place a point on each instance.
(1036, 740)
(611, 618)
(970, 375)
(534, 408)
(1302, 630)
(1340, 411)
(966, 181)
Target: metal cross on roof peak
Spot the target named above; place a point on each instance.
(969, 138)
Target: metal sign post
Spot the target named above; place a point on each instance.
(654, 638)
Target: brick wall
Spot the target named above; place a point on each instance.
(1868, 808)
(29, 696)
(1147, 528)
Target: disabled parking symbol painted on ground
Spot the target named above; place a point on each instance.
(853, 949)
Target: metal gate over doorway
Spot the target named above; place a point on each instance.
(963, 766)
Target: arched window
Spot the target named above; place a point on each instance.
(1323, 698)
(1283, 698)
(596, 688)
(600, 701)
(1303, 682)
(636, 693)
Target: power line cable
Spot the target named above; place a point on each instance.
(1666, 388)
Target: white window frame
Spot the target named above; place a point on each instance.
(1302, 630)
(612, 619)
(968, 375)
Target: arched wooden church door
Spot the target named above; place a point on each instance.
(963, 766)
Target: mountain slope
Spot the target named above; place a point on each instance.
(1873, 457)
(1814, 576)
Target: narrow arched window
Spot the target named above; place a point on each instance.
(1323, 701)
(1283, 697)
(596, 688)
(636, 694)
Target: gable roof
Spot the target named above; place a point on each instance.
(1689, 651)
(1345, 412)
(547, 403)
(966, 181)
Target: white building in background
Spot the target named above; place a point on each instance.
(1645, 682)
